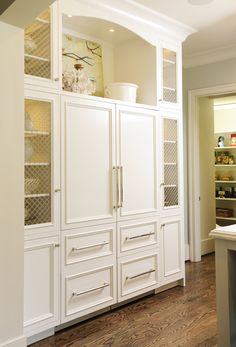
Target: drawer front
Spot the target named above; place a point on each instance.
(87, 245)
(89, 291)
(133, 235)
(137, 276)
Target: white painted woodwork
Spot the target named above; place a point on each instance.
(172, 249)
(110, 196)
(88, 243)
(53, 82)
(32, 230)
(174, 75)
(137, 158)
(136, 235)
(137, 274)
(41, 281)
(88, 157)
(89, 291)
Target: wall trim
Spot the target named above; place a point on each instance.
(17, 342)
(207, 246)
(209, 56)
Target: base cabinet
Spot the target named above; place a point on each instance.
(138, 274)
(172, 249)
(41, 283)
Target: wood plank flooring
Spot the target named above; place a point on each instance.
(179, 317)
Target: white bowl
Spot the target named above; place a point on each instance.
(121, 91)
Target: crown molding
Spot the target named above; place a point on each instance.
(209, 56)
(149, 24)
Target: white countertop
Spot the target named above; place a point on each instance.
(227, 233)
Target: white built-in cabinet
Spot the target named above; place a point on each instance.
(103, 182)
(41, 291)
(41, 49)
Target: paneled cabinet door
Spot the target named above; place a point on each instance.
(88, 162)
(171, 157)
(136, 162)
(41, 49)
(172, 249)
(41, 285)
(42, 168)
(169, 76)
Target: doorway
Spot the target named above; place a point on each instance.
(201, 168)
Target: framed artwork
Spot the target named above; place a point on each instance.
(86, 53)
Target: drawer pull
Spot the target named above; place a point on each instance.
(138, 236)
(142, 274)
(90, 290)
(75, 249)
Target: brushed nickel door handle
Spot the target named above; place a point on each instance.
(90, 290)
(121, 187)
(139, 275)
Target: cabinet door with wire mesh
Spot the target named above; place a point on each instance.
(171, 163)
(41, 49)
(169, 79)
(41, 160)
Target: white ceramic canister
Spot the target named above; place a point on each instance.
(121, 91)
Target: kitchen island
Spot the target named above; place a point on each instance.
(225, 247)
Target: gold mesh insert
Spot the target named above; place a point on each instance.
(38, 46)
(37, 162)
(169, 76)
(171, 194)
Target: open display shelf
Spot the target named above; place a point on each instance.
(225, 180)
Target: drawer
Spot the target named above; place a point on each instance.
(88, 292)
(137, 275)
(89, 243)
(134, 235)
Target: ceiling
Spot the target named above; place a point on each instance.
(215, 24)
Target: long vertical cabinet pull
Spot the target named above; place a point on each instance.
(121, 187)
(117, 188)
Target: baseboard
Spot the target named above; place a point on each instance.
(40, 336)
(186, 252)
(207, 246)
(17, 342)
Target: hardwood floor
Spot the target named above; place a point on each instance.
(183, 317)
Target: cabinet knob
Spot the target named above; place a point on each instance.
(56, 79)
(57, 190)
(160, 100)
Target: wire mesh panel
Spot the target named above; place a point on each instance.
(169, 76)
(171, 190)
(38, 46)
(37, 162)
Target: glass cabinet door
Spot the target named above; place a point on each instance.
(41, 49)
(169, 76)
(169, 88)
(170, 163)
(39, 162)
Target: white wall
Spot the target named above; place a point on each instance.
(11, 184)
(219, 73)
(135, 62)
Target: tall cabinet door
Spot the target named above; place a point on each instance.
(136, 162)
(42, 169)
(171, 157)
(88, 162)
